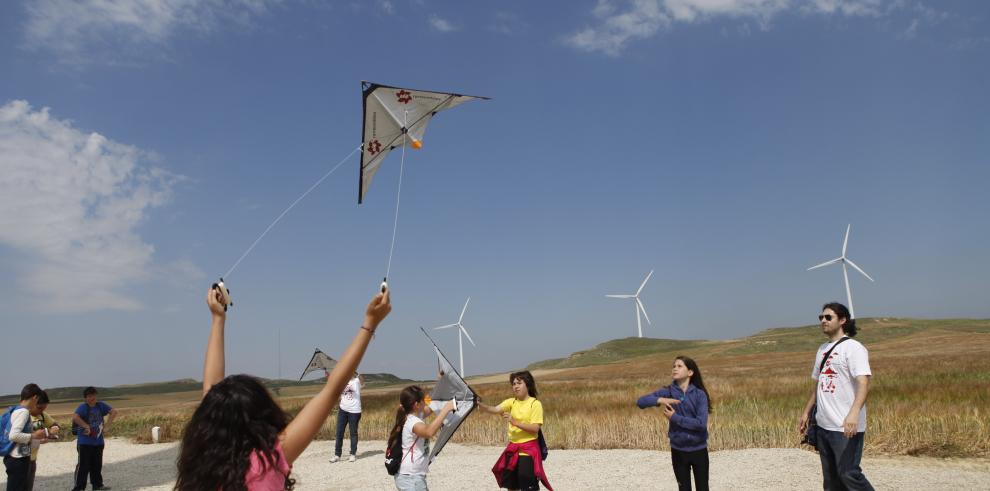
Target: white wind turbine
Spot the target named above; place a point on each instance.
(460, 331)
(845, 275)
(639, 305)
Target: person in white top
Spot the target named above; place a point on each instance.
(410, 427)
(349, 414)
(842, 384)
(18, 461)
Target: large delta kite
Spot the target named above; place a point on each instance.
(393, 117)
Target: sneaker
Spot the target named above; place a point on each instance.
(352, 458)
(334, 458)
(99, 488)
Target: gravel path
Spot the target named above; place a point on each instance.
(152, 467)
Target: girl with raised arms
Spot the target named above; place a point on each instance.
(686, 405)
(239, 438)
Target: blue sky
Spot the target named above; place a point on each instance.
(726, 144)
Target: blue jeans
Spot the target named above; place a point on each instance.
(840, 461)
(345, 418)
(411, 482)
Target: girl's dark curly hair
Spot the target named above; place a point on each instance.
(236, 417)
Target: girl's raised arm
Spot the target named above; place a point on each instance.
(213, 366)
(307, 423)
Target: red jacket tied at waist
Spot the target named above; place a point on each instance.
(533, 449)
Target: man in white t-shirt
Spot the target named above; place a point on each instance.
(840, 395)
(349, 414)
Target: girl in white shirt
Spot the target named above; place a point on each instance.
(410, 427)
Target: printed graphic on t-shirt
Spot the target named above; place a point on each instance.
(348, 393)
(828, 376)
(95, 422)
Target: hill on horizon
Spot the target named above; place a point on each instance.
(772, 340)
(74, 393)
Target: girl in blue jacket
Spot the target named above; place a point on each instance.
(685, 404)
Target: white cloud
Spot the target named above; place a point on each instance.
(440, 24)
(387, 7)
(641, 21)
(86, 31)
(69, 204)
(617, 25)
(507, 23)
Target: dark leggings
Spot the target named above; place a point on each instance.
(684, 462)
(523, 477)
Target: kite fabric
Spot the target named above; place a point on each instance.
(320, 361)
(389, 114)
(450, 386)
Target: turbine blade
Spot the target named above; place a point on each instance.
(857, 268)
(826, 263)
(642, 309)
(463, 310)
(620, 296)
(448, 326)
(644, 282)
(845, 241)
(468, 335)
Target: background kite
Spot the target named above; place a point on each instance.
(319, 361)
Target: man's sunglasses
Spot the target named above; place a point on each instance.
(827, 317)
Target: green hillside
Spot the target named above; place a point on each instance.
(775, 340)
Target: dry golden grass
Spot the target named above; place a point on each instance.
(930, 396)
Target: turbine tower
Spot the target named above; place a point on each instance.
(845, 275)
(639, 305)
(460, 331)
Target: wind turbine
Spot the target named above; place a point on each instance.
(460, 331)
(845, 275)
(639, 305)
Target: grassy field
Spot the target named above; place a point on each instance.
(930, 392)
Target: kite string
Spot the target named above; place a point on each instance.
(395, 225)
(294, 203)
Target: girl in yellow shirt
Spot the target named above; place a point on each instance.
(520, 466)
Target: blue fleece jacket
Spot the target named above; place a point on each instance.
(689, 424)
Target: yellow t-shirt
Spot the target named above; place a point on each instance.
(526, 411)
(37, 423)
